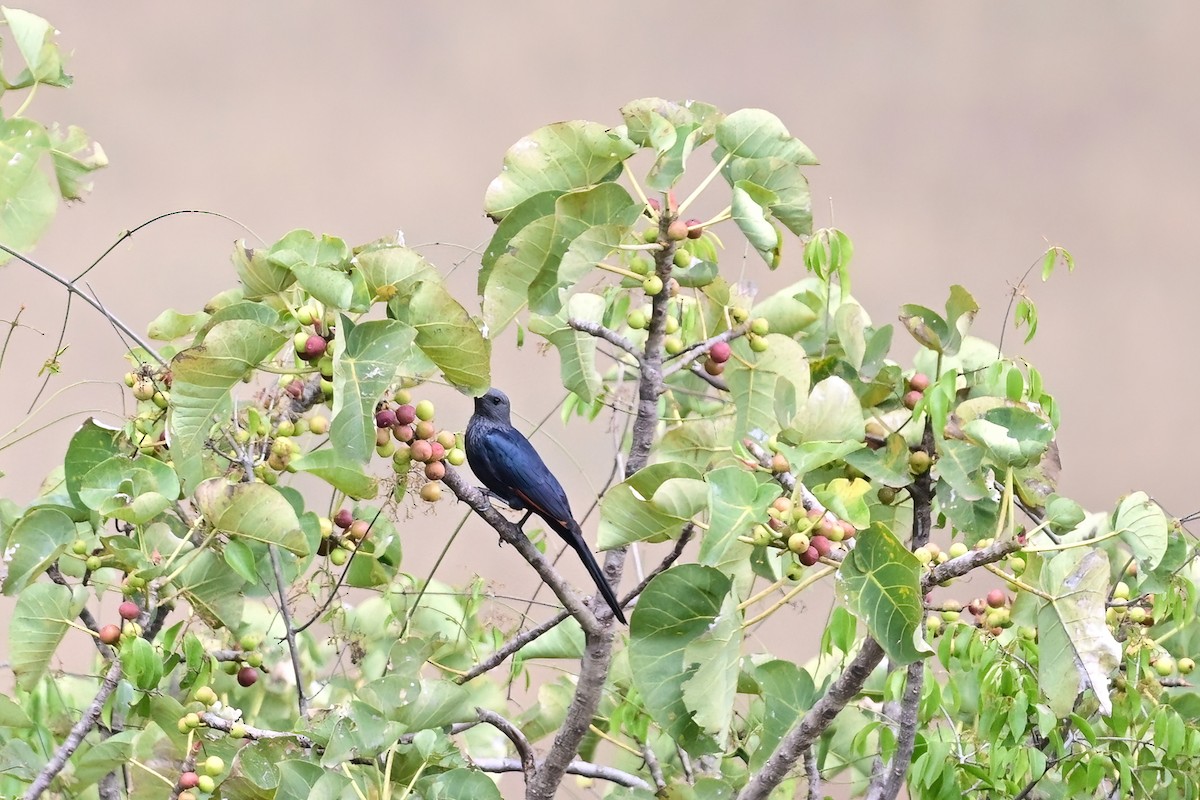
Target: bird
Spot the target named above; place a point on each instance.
(512, 470)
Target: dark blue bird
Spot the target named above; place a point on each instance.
(513, 471)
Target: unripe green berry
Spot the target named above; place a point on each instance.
(760, 326)
(652, 285)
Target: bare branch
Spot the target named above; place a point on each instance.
(85, 616)
(655, 768)
(78, 731)
(513, 535)
(528, 761)
(289, 632)
(575, 767)
(814, 774)
(219, 723)
(519, 641)
(712, 380)
(75, 290)
(608, 335)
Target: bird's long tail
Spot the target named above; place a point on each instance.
(576, 541)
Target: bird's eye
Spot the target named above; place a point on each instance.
(496, 400)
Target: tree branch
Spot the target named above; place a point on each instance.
(78, 732)
(520, 640)
(289, 632)
(653, 766)
(528, 761)
(513, 535)
(597, 654)
(887, 780)
(814, 774)
(575, 767)
(814, 723)
(607, 334)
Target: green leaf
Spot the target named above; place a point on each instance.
(1011, 436)
(576, 350)
(133, 490)
(170, 325)
(253, 511)
(755, 380)
(755, 133)
(887, 466)
(935, 333)
(27, 199)
(882, 585)
(787, 692)
(809, 456)
(1143, 527)
(786, 312)
(109, 755)
(446, 334)
(92, 443)
(709, 691)
(33, 544)
(73, 163)
(34, 37)
(846, 499)
(260, 276)
(532, 208)
(366, 359)
(851, 323)
(213, 589)
(831, 413)
(793, 204)
(976, 519)
(699, 442)
(40, 618)
(458, 783)
(959, 465)
(564, 640)
(737, 499)
(340, 472)
(200, 391)
(562, 156)
(678, 606)
(141, 665)
(535, 268)
(320, 265)
(651, 505)
(1077, 648)
(750, 208)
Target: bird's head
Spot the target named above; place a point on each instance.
(494, 405)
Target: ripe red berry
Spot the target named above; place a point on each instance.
(911, 399)
(403, 433)
(129, 610)
(110, 634)
(385, 418)
(821, 544)
(694, 229)
(188, 780)
(712, 367)
(996, 598)
(437, 451)
(720, 352)
(247, 676)
(343, 518)
(406, 414)
(810, 556)
(435, 470)
(919, 382)
(314, 347)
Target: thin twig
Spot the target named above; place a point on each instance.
(814, 774)
(78, 731)
(75, 290)
(519, 641)
(524, 750)
(289, 632)
(607, 334)
(714, 381)
(656, 773)
(574, 767)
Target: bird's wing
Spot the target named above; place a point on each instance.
(509, 454)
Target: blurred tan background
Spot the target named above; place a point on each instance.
(957, 140)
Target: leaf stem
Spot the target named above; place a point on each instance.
(704, 183)
(809, 580)
(620, 271)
